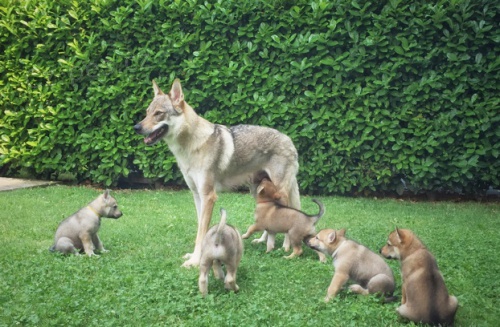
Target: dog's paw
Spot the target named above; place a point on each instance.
(191, 263)
(256, 241)
(187, 256)
(327, 299)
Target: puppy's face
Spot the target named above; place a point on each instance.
(392, 248)
(327, 240)
(109, 206)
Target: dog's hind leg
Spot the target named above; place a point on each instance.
(203, 279)
(65, 246)
(218, 272)
(230, 281)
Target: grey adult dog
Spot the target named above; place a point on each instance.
(212, 156)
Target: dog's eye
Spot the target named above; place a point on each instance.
(158, 113)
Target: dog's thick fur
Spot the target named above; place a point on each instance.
(424, 294)
(355, 262)
(211, 156)
(79, 231)
(221, 245)
(274, 217)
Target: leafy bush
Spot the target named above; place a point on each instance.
(373, 94)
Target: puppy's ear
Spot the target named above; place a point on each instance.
(260, 188)
(341, 232)
(331, 237)
(157, 89)
(399, 234)
(176, 94)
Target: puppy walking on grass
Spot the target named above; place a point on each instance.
(424, 294)
(221, 245)
(274, 217)
(355, 262)
(79, 231)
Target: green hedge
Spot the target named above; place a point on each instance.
(372, 93)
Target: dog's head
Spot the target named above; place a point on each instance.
(108, 206)
(398, 241)
(267, 191)
(327, 240)
(163, 113)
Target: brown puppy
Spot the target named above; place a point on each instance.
(355, 262)
(222, 245)
(424, 294)
(79, 231)
(274, 217)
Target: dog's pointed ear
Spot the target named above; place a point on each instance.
(156, 88)
(399, 235)
(106, 195)
(331, 237)
(176, 94)
(260, 188)
(341, 232)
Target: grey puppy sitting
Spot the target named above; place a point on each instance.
(79, 231)
(221, 245)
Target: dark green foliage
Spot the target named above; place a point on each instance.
(370, 92)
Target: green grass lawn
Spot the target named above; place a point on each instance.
(140, 282)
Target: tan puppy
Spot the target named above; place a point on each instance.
(355, 262)
(222, 245)
(424, 294)
(273, 217)
(79, 231)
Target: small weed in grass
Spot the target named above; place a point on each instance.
(140, 282)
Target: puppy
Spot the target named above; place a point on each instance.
(353, 261)
(221, 245)
(274, 217)
(79, 231)
(424, 294)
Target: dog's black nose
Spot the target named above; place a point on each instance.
(138, 128)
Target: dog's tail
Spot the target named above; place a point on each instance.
(388, 298)
(321, 211)
(220, 227)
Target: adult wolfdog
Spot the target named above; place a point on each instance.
(212, 156)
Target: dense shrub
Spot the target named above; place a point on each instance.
(376, 95)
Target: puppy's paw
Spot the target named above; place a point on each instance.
(191, 263)
(327, 299)
(187, 256)
(358, 289)
(256, 241)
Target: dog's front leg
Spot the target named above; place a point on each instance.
(197, 204)
(88, 245)
(207, 205)
(98, 244)
(338, 280)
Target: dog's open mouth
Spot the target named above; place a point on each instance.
(156, 135)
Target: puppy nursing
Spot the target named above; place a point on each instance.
(274, 217)
(79, 231)
(221, 245)
(355, 262)
(424, 294)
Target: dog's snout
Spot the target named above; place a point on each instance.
(138, 128)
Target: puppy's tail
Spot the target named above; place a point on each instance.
(390, 298)
(321, 210)
(220, 227)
